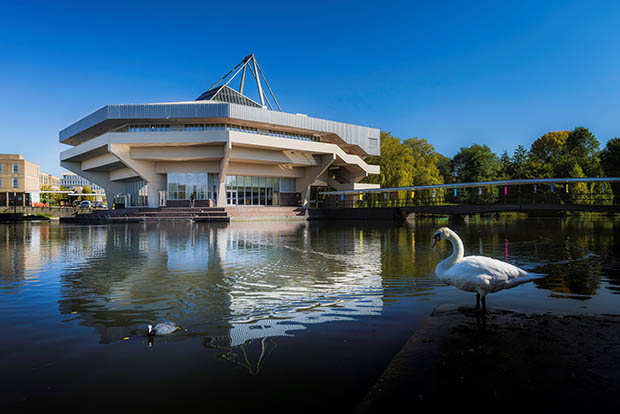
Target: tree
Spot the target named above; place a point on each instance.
(506, 170)
(424, 166)
(46, 197)
(548, 147)
(87, 190)
(610, 162)
(581, 148)
(519, 163)
(395, 161)
(444, 165)
(476, 163)
(610, 158)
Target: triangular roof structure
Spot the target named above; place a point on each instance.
(224, 93)
(221, 92)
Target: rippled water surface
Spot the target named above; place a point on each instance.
(273, 316)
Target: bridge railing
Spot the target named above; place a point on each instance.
(575, 193)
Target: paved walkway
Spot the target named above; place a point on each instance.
(506, 362)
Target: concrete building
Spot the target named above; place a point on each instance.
(223, 147)
(19, 180)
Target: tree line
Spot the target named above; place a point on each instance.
(556, 154)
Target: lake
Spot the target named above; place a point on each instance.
(273, 316)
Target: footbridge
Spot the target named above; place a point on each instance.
(599, 194)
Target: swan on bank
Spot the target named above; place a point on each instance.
(478, 274)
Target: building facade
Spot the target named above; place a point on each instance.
(75, 182)
(223, 147)
(19, 180)
(49, 180)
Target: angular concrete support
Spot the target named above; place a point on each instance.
(145, 169)
(312, 173)
(102, 179)
(221, 192)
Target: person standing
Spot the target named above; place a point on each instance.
(192, 198)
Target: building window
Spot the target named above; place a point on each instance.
(181, 186)
(252, 191)
(15, 168)
(374, 142)
(288, 185)
(15, 183)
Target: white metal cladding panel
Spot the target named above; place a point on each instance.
(163, 111)
(352, 134)
(96, 117)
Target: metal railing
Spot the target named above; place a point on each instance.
(560, 191)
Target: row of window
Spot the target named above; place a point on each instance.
(210, 127)
(15, 168)
(149, 128)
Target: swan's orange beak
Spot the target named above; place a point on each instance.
(436, 240)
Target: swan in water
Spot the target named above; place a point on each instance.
(478, 274)
(163, 328)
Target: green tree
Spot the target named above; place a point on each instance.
(395, 161)
(46, 197)
(476, 163)
(506, 162)
(610, 158)
(424, 165)
(548, 147)
(87, 190)
(519, 163)
(610, 162)
(581, 148)
(444, 165)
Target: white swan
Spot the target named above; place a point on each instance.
(478, 274)
(163, 328)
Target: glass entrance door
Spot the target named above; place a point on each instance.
(231, 197)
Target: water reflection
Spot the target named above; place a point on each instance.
(240, 287)
(237, 283)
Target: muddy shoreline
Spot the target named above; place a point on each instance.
(506, 361)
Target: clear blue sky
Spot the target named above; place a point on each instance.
(457, 73)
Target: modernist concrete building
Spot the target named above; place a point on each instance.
(223, 147)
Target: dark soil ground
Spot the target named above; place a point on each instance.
(504, 362)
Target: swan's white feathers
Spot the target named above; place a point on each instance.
(479, 273)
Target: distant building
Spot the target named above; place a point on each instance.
(49, 179)
(76, 182)
(19, 180)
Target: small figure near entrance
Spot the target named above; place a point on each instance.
(192, 198)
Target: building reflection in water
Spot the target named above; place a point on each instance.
(239, 285)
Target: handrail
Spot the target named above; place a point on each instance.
(476, 184)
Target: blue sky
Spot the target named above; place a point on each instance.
(457, 73)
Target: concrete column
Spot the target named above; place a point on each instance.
(221, 192)
(312, 173)
(100, 178)
(145, 169)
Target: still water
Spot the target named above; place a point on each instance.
(274, 316)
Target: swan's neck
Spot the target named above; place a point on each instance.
(457, 252)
